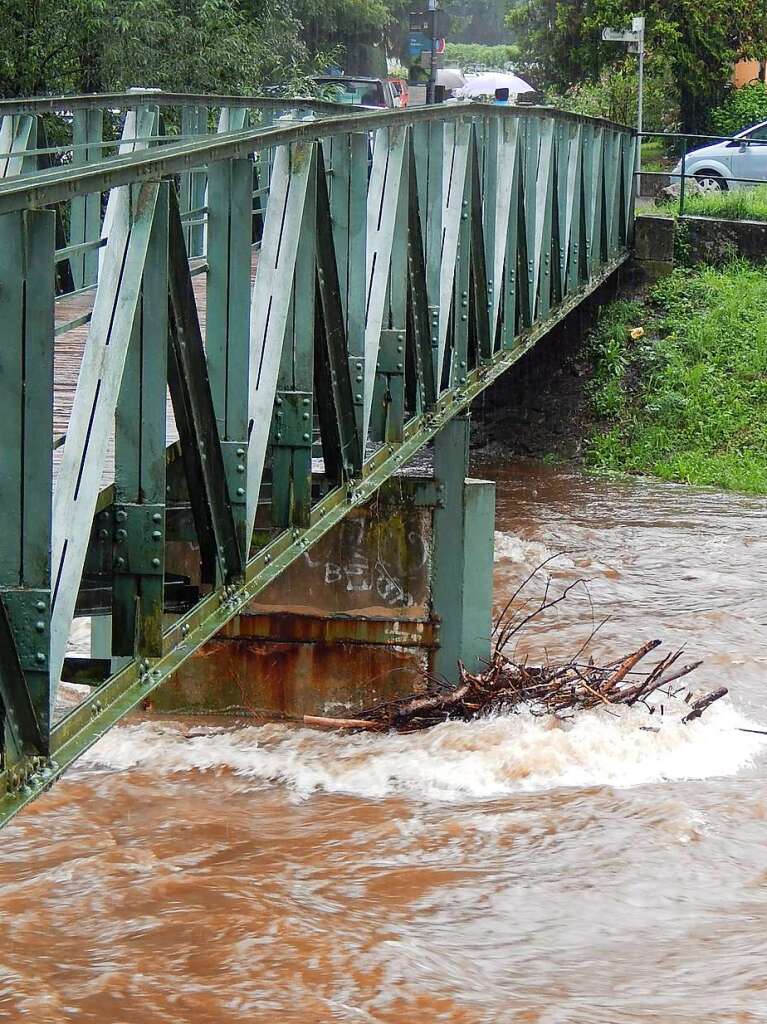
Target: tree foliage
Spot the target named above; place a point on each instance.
(699, 42)
(477, 54)
(59, 46)
(741, 108)
(614, 95)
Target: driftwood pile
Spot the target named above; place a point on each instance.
(558, 690)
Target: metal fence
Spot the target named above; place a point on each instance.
(684, 143)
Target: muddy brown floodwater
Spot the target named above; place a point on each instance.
(499, 871)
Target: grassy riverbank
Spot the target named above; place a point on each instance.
(687, 400)
(743, 204)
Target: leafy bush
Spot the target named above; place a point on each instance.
(742, 108)
(466, 55)
(614, 95)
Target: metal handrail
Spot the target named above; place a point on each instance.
(682, 175)
(92, 101)
(45, 187)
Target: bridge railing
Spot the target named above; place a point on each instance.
(385, 269)
(45, 132)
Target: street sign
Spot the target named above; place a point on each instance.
(634, 36)
(417, 43)
(616, 35)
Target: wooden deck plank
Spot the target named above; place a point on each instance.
(68, 354)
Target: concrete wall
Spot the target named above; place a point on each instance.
(347, 625)
(661, 242)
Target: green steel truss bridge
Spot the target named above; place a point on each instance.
(318, 291)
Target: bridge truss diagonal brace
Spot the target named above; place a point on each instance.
(572, 209)
(544, 200)
(93, 408)
(456, 152)
(140, 441)
(272, 291)
(16, 134)
(382, 206)
(341, 446)
(193, 408)
(500, 170)
(139, 125)
(421, 319)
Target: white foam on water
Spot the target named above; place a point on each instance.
(455, 761)
(511, 548)
(79, 641)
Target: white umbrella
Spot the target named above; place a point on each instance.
(486, 84)
(450, 78)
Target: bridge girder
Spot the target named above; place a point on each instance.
(403, 261)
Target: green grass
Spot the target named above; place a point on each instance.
(654, 156)
(744, 204)
(688, 401)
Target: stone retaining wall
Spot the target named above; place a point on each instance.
(662, 241)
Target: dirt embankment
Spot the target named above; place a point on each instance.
(541, 406)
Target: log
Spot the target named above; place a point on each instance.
(342, 723)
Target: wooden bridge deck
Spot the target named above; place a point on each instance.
(68, 356)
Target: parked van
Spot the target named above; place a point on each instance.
(363, 92)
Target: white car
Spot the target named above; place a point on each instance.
(716, 166)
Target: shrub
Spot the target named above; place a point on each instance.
(743, 107)
(477, 55)
(614, 95)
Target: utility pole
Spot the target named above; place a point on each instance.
(432, 63)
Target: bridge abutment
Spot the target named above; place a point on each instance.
(401, 589)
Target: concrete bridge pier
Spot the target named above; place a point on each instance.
(400, 589)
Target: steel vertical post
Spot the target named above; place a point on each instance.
(347, 179)
(26, 397)
(194, 121)
(462, 555)
(85, 211)
(227, 335)
(139, 518)
(294, 405)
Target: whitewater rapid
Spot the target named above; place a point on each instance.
(455, 761)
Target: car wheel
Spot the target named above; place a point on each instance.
(710, 181)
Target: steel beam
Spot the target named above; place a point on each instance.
(85, 211)
(382, 204)
(93, 409)
(194, 412)
(227, 332)
(341, 446)
(270, 304)
(139, 514)
(26, 396)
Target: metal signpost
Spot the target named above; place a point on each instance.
(424, 38)
(634, 36)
